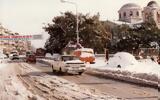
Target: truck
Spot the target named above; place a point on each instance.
(85, 55)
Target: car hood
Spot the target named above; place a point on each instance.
(74, 62)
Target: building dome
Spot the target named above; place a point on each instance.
(130, 5)
(130, 13)
(153, 4)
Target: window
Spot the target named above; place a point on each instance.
(124, 14)
(131, 13)
(137, 13)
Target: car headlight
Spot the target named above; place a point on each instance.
(83, 66)
(67, 66)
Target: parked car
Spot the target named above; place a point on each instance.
(31, 58)
(3, 58)
(14, 56)
(68, 64)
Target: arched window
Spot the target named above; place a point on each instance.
(131, 13)
(124, 14)
(137, 13)
(119, 15)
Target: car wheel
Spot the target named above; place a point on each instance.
(53, 69)
(80, 73)
(60, 70)
(92, 62)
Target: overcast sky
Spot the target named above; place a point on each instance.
(28, 16)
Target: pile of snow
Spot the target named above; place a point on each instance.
(145, 66)
(123, 59)
(128, 63)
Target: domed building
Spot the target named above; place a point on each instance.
(152, 10)
(131, 13)
(134, 14)
(7, 46)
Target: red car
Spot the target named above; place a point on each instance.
(31, 58)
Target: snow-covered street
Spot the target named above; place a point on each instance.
(106, 85)
(23, 82)
(11, 88)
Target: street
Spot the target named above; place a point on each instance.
(80, 50)
(21, 81)
(107, 86)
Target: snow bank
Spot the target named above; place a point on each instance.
(128, 62)
(146, 66)
(139, 78)
(123, 59)
(144, 72)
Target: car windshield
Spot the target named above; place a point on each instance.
(66, 58)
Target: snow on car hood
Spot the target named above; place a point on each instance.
(74, 62)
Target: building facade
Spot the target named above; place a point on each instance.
(133, 13)
(152, 10)
(9, 45)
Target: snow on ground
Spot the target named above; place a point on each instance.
(11, 88)
(146, 66)
(61, 88)
(127, 62)
(2, 65)
(124, 66)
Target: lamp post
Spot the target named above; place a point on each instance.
(77, 31)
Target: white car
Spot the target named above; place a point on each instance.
(68, 64)
(3, 58)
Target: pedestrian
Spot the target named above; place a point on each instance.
(107, 54)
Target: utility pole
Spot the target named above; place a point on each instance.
(77, 26)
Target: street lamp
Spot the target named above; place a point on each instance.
(77, 31)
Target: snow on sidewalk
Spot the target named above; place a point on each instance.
(127, 62)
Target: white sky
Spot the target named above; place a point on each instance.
(28, 16)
